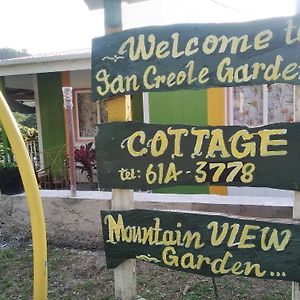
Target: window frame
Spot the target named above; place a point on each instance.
(79, 138)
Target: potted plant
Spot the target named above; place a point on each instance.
(85, 158)
(10, 179)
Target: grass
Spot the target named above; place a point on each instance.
(77, 274)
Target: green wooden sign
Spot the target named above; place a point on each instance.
(142, 156)
(210, 245)
(193, 56)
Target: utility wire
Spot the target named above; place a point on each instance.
(229, 7)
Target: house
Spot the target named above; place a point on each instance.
(41, 78)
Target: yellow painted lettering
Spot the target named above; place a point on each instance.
(290, 68)
(262, 39)
(235, 41)
(188, 48)
(266, 142)
(289, 31)
(102, 76)
(249, 148)
(190, 238)
(216, 240)
(200, 134)
(274, 239)
(150, 69)
(228, 74)
(249, 267)
(114, 228)
(272, 71)
(161, 48)
(256, 68)
(171, 79)
(187, 261)
(235, 268)
(132, 139)
(140, 51)
(168, 256)
(202, 75)
(218, 265)
(178, 133)
(159, 143)
(175, 52)
(217, 144)
(116, 85)
(210, 44)
(245, 237)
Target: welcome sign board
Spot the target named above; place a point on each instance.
(210, 245)
(138, 156)
(193, 56)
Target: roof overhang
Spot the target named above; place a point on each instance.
(98, 4)
(48, 63)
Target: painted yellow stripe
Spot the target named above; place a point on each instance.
(116, 109)
(34, 202)
(216, 117)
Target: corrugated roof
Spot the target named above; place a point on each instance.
(48, 57)
(45, 63)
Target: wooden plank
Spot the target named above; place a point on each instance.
(142, 156)
(189, 56)
(205, 244)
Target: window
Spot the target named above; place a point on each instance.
(85, 118)
(261, 104)
(256, 106)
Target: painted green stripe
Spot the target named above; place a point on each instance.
(52, 120)
(137, 107)
(180, 107)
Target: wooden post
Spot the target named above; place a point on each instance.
(296, 204)
(125, 274)
(68, 105)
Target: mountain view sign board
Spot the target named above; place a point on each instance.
(193, 56)
(210, 245)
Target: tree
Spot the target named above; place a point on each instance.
(6, 53)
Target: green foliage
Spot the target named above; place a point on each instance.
(28, 120)
(6, 53)
(28, 134)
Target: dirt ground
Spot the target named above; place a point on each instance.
(79, 274)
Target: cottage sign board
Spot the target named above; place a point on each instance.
(135, 155)
(193, 56)
(210, 245)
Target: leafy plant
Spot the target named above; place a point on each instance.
(85, 155)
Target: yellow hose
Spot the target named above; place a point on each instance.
(34, 202)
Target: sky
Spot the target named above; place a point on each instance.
(44, 26)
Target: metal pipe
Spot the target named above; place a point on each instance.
(34, 201)
(68, 106)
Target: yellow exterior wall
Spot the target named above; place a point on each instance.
(116, 109)
(216, 117)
